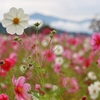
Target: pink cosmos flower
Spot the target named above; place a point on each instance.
(3, 97)
(13, 58)
(95, 41)
(6, 65)
(21, 88)
(48, 55)
(37, 87)
(78, 69)
(2, 73)
(87, 62)
(71, 84)
(57, 68)
(3, 86)
(9, 62)
(67, 54)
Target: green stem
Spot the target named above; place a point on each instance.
(40, 77)
(23, 48)
(49, 44)
(32, 44)
(37, 33)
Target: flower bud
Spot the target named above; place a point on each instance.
(16, 38)
(83, 98)
(1, 62)
(37, 24)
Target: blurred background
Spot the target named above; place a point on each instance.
(71, 16)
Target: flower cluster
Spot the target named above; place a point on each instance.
(48, 66)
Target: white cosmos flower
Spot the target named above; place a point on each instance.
(93, 91)
(59, 60)
(23, 68)
(45, 43)
(54, 87)
(15, 21)
(91, 75)
(58, 49)
(97, 85)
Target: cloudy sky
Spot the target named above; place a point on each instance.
(76, 10)
(68, 9)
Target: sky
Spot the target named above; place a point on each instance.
(67, 9)
(76, 10)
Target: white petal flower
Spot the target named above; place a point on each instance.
(15, 21)
(23, 68)
(97, 85)
(54, 87)
(91, 75)
(93, 91)
(59, 60)
(58, 49)
(45, 43)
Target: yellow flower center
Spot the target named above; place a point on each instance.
(15, 20)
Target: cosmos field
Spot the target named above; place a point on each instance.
(47, 66)
(63, 68)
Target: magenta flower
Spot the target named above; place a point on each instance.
(48, 55)
(21, 88)
(95, 41)
(3, 97)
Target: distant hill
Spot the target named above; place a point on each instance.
(2, 29)
(48, 19)
(67, 25)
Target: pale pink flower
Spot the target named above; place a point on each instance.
(71, 84)
(37, 87)
(2, 72)
(78, 69)
(67, 54)
(65, 81)
(48, 86)
(57, 68)
(95, 41)
(3, 86)
(21, 88)
(3, 97)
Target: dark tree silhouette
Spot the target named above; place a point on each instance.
(95, 24)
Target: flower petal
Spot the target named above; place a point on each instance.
(26, 96)
(11, 29)
(14, 81)
(19, 97)
(24, 24)
(13, 12)
(21, 81)
(24, 17)
(20, 12)
(19, 30)
(6, 22)
(8, 16)
(26, 87)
